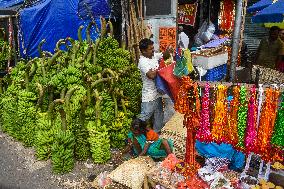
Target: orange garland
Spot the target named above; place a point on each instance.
(266, 124)
(227, 15)
(220, 119)
(188, 103)
(233, 117)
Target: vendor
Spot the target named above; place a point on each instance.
(144, 141)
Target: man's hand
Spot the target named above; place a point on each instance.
(151, 74)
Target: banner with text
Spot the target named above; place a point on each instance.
(187, 14)
(167, 37)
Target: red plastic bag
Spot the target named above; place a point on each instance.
(173, 82)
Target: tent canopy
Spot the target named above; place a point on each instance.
(272, 13)
(50, 20)
(259, 6)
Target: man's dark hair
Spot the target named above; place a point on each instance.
(274, 28)
(144, 43)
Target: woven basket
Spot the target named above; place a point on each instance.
(174, 130)
(133, 172)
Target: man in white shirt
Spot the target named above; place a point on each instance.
(183, 39)
(151, 98)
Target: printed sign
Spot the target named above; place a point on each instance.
(167, 37)
(187, 14)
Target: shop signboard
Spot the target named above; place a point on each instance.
(167, 37)
(187, 14)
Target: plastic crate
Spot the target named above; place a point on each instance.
(215, 74)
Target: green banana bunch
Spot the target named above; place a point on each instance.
(27, 116)
(99, 141)
(62, 151)
(45, 136)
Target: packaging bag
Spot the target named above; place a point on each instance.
(171, 80)
(181, 68)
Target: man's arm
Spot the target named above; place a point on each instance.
(151, 74)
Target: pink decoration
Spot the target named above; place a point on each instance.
(203, 133)
(251, 130)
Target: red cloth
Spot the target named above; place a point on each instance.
(172, 81)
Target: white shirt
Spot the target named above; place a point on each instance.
(149, 90)
(184, 39)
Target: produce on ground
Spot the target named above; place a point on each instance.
(74, 104)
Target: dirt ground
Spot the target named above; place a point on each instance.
(19, 169)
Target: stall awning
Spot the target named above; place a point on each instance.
(259, 6)
(272, 13)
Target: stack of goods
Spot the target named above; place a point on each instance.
(175, 173)
(73, 104)
(213, 60)
(267, 75)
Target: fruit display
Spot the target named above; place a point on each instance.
(74, 104)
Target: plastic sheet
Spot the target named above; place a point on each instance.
(51, 20)
(10, 3)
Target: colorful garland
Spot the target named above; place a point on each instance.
(203, 133)
(251, 130)
(188, 103)
(220, 118)
(278, 134)
(266, 124)
(242, 118)
(233, 117)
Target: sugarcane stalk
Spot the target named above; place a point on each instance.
(123, 105)
(33, 72)
(39, 47)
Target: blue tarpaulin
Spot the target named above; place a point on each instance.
(272, 13)
(9, 3)
(51, 20)
(93, 8)
(259, 6)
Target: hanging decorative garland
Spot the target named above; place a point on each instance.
(242, 118)
(227, 15)
(203, 133)
(266, 124)
(233, 117)
(188, 103)
(278, 134)
(220, 118)
(251, 130)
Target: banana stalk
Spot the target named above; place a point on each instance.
(39, 47)
(80, 34)
(40, 98)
